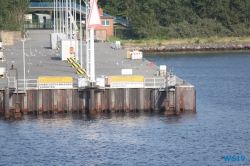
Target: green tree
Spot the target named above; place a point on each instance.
(171, 18)
(12, 14)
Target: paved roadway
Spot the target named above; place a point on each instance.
(41, 60)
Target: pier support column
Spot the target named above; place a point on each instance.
(140, 100)
(6, 103)
(92, 109)
(194, 103)
(112, 100)
(177, 99)
(166, 99)
(167, 103)
(126, 100)
(152, 100)
(17, 112)
(40, 102)
(25, 104)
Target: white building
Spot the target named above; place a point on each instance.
(42, 17)
(28, 17)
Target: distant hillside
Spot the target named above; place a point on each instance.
(183, 18)
(161, 19)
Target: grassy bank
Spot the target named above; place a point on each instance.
(147, 42)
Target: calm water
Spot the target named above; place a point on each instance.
(220, 127)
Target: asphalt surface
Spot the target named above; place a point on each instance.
(41, 60)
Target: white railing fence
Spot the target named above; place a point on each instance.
(154, 82)
(29, 83)
(159, 82)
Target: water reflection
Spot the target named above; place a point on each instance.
(130, 119)
(220, 126)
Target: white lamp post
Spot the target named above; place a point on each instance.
(81, 34)
(54, 17)
(24, 81)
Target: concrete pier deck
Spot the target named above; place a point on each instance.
(41, 60)
(174, 97)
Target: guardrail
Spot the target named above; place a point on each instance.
(51, 5)
(12, 82)
(171, 80)
(155, 82)
(29, 83)
(160, 82)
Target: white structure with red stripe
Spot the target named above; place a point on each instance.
(94, 20)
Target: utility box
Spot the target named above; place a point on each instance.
(2, 71)
(163, 70)
(68, 49)
(100, 81)
(127, 71)
(107, 81)
(128, 54)
(116, 45)
(171, 80)
(136, 55)
(82, 82)
(55, 39)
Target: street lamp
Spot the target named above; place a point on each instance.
(24, 81)
(12, 68)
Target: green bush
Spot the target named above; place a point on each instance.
(197, 41)
(204, 28)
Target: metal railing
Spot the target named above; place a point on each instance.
(155, 82)
(29, 83)
(51, 5)
(171, 80)
(12, 82)
(160, 82)
(78, 7)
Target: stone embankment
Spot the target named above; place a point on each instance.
(193, 47)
